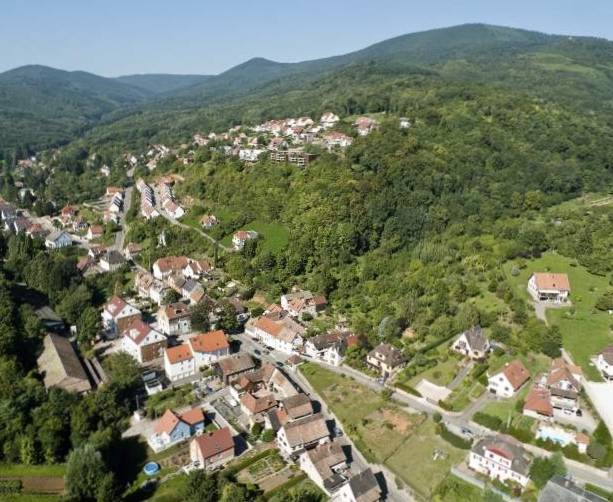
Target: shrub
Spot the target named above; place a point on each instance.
(437, 417)
(488, 421)
(407, 388)
(596, 451)
(453, 439)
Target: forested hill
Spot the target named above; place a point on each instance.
(40, 106)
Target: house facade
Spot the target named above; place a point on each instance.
(501, 458)
(295, 437)
(142, 342)
(174, 319)
(472, 344)
(118, 315)
(386, 359)
(58, 240)
(604, 362)
(547, 287)
(172, 428)
(179, 363)
(277, 331)
(208, 348)
(509, 380)
(212, 449)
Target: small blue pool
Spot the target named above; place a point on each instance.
(151, 468)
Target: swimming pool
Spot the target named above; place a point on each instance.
(151, 468)
(559, 436)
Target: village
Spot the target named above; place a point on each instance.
(248, 392)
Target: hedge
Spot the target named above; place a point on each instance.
(407, 388)
(10, 486)
(454, 439)
(599, 491)
(488, 421)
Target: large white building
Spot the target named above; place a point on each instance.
(277, 331)
(501, 457)
(509, 380)
(208, 348)
(142, 342)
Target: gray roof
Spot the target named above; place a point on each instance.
(56, 234)
(114, 257)
(390, 354)
(60, 365)
(365, 486)
(476, 339)
(507, 446)
(559, 489)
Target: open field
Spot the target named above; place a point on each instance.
(585, 330)
(384, 432)
(415, 460)
(274, 236)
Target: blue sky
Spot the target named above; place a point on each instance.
(115, 37)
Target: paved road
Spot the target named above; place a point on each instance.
(359, 462)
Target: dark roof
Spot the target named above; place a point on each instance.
(390, 354)
(363, 484)
(114, 257)
(476, 339)
(60, 365)
(559, 489)
(507, 447)
(236, 364)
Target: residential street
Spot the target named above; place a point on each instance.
(359, 463)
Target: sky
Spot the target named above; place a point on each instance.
(118, 37)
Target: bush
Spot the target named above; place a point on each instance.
(488, 421)
(437, 417)
(268, 435)
(453, 439)
(596, 451)
(407, 388)
(10, 486)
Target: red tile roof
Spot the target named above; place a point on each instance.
(516, 374)
(215, 442)
(178, 354)
(552, 281)
(209, 342)
(166, 423)
(193, 416)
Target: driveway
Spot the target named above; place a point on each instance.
(600, 394)
(431, 391)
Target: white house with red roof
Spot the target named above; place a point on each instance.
(509, 380)
(165, 267)
(208, 348)
(143, 342)
(298, 303)
(502, 458)
(277, 331)
(212, 449)
(548, 287)
(329, 119)
(117, 315)
(179, 362)
(241, 237)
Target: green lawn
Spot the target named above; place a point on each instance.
(53, 470)
(273, 235)
(415, 464)
(442, 374)
(585, 330)
(453, 489)
(385, 433)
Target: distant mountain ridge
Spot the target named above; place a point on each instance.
(41, 106)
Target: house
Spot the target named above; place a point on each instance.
(297, 406)
(300, 303)
(328, 347)
(362, 487)
(209, 221)
(118, 315)
(501, 458)
(365, 125)
(256, 406)
(337, 139)
(60, 366)
(509, 380)
(148, 211)
(404, 123)
(538, 403)
(79, 224)
(149, 287)
(472, 343)
(208, 348)
(300, 435)
(58, 239)
(95, 251)
(67, 213)
(195, 269)
(172, 428)
(132, 250)
(179, 362)
(84, 264)
(112, 260)
(112, 191)
(277, 331)
(386, 359)
(233, 366)
(328, 120)
(212, 449)
(325, 465)
(547, 287)
(175, 319)
(250, 154)
(604, 363)
(94, 232)
(164, 267)
(241, 237)
(561, 489)
(564, 384)
(266, 379)
(142, 342)
(173, 209)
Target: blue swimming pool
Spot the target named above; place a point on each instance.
(557, 436)
(151, 468)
